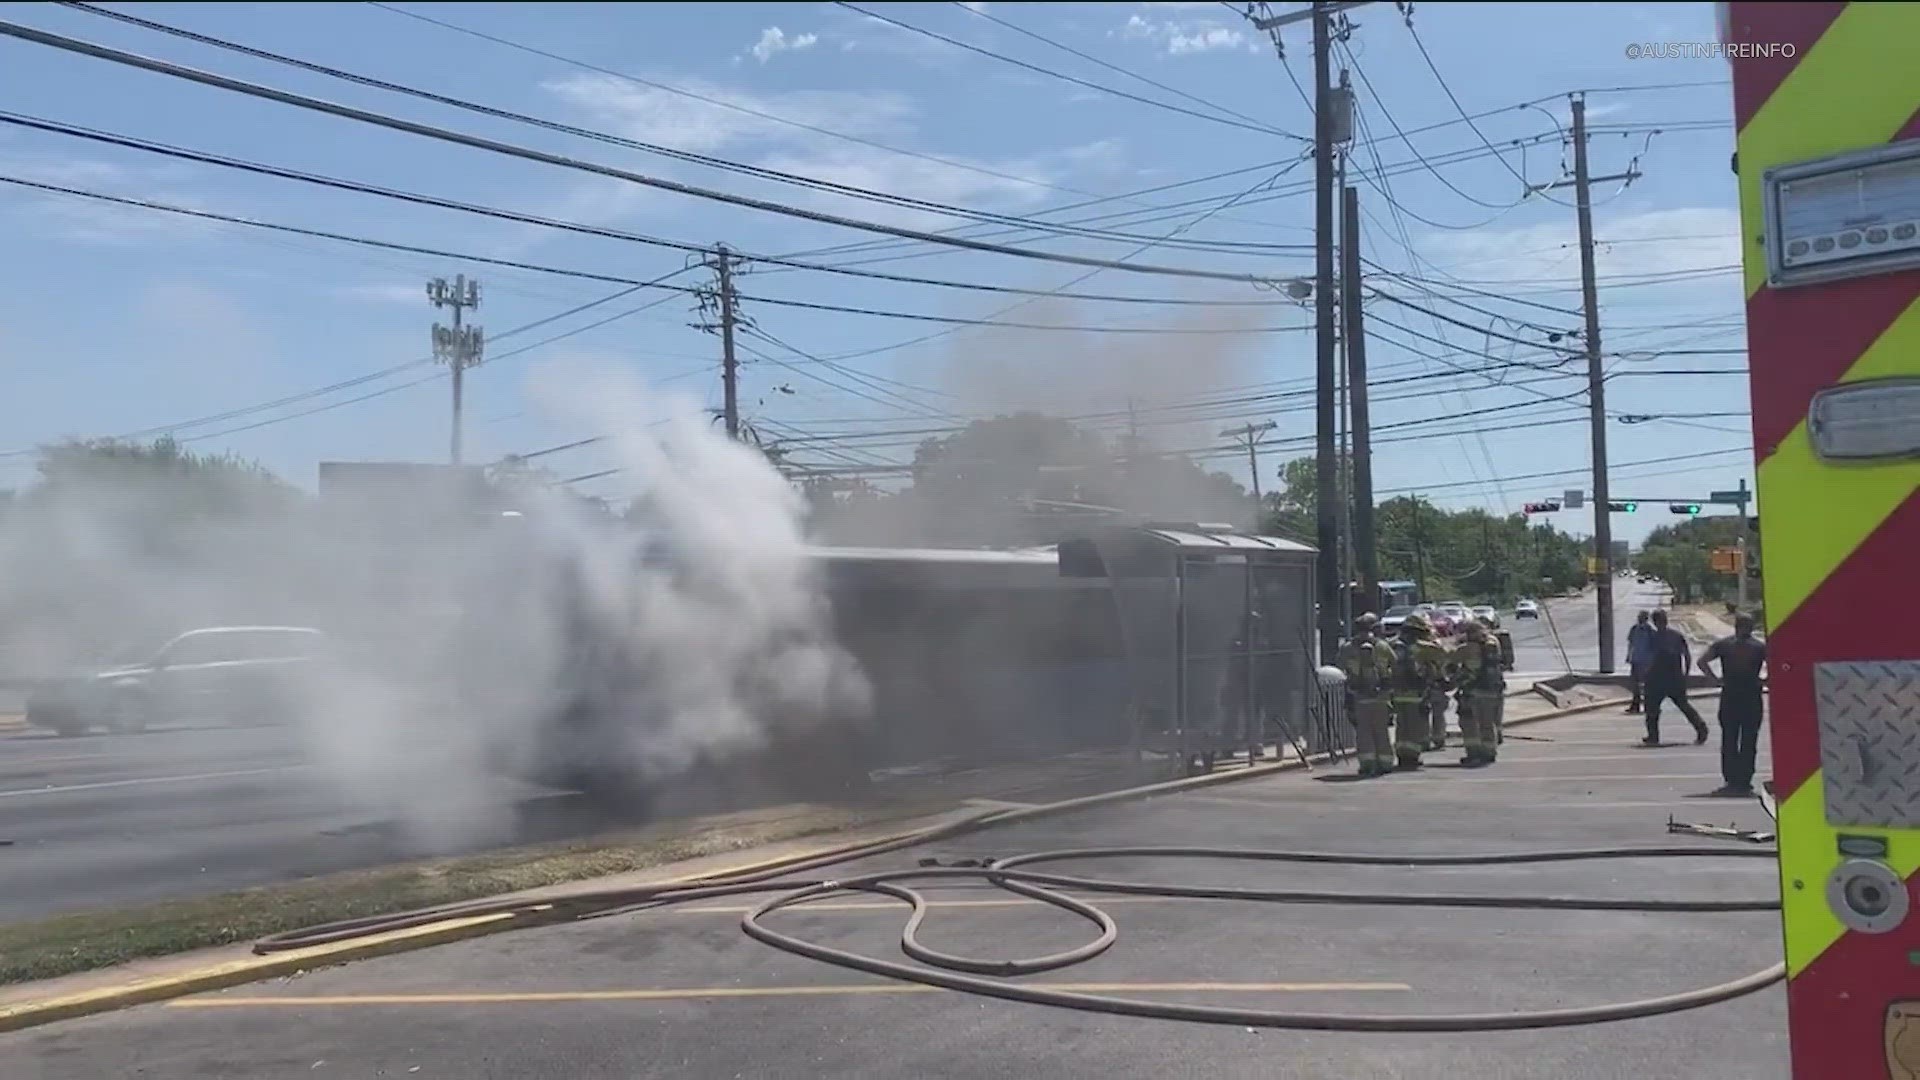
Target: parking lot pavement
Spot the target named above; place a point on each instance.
(683, 992)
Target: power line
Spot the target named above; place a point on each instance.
(1264, 129)
(1526, 184)
(759, 172)
(1581, 470)
(508, 215)
(361, 380)
(618, 279)
(718, 103)
(206, 78)
(980, 12)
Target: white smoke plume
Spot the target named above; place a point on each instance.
(454, 649)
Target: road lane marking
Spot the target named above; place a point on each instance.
(691, 994)
(144, 780)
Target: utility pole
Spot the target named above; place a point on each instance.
(721, 303)
(1582, 183)
(1367, 554)
(1326, 469)
(459, 347)
(1596, 387)
(1250, 436)
(1419, 552)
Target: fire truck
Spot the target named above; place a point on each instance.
(1826, 100)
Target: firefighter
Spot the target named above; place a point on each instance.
(1478, 672)
(1368, 663)
(1417, 672)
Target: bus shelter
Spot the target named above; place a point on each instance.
(1218, 631)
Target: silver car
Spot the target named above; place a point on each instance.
(237, 674)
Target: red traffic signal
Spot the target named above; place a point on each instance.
(1541, 507)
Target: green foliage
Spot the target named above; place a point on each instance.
(158, 477)
(1681, 556)
(1468, 555)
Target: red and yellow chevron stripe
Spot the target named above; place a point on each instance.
(1835, 539)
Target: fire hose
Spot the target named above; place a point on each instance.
(989, 977)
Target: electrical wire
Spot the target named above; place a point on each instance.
(759, 172)
(447, 135)
(620, 279)
(1461, 109)
(979, 11)
(1264, 129)
(504, 215)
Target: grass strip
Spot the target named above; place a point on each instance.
(65, 944)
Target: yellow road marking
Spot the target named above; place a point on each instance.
(1855, 87)
(852, 990)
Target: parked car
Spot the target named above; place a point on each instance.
(1526, 609)
(1391, 621)
(1457, 614)
(1486, 612)
(233, 673)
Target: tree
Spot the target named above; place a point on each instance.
(1469, 554)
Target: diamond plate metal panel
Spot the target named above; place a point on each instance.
(1869, 715)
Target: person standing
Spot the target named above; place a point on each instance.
(1477, 672)
(1667, 667)
(1417, 672)
(1368, 663)
(1639, 652)
(1743, 662)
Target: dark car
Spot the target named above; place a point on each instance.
(233, 673)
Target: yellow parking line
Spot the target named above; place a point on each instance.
(858, 989)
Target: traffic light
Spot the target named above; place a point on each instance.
(1683, 508)
(1541, 507)
(1623, 507)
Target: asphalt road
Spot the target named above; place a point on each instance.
(682, 992)
(1571, 624)
(107, 820)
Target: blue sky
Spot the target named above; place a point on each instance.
(116, 320)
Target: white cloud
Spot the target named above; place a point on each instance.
(774, 41)
(1187, 38)
(1679, 240)
(90, 221)
(651, 115)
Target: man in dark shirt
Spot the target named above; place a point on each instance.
(1667, 680)
(1743, 659)
(1639, 653)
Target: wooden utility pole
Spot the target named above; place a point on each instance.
(1582, 183)
(1366, 553)
(1250, 437)
(719, 307)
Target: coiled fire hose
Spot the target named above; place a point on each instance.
(989, 977)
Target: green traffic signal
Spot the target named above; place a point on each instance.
(1623, 507)
(1683, 508)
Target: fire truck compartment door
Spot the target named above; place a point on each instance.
(1869, 712)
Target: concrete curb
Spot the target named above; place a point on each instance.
(255, 969)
